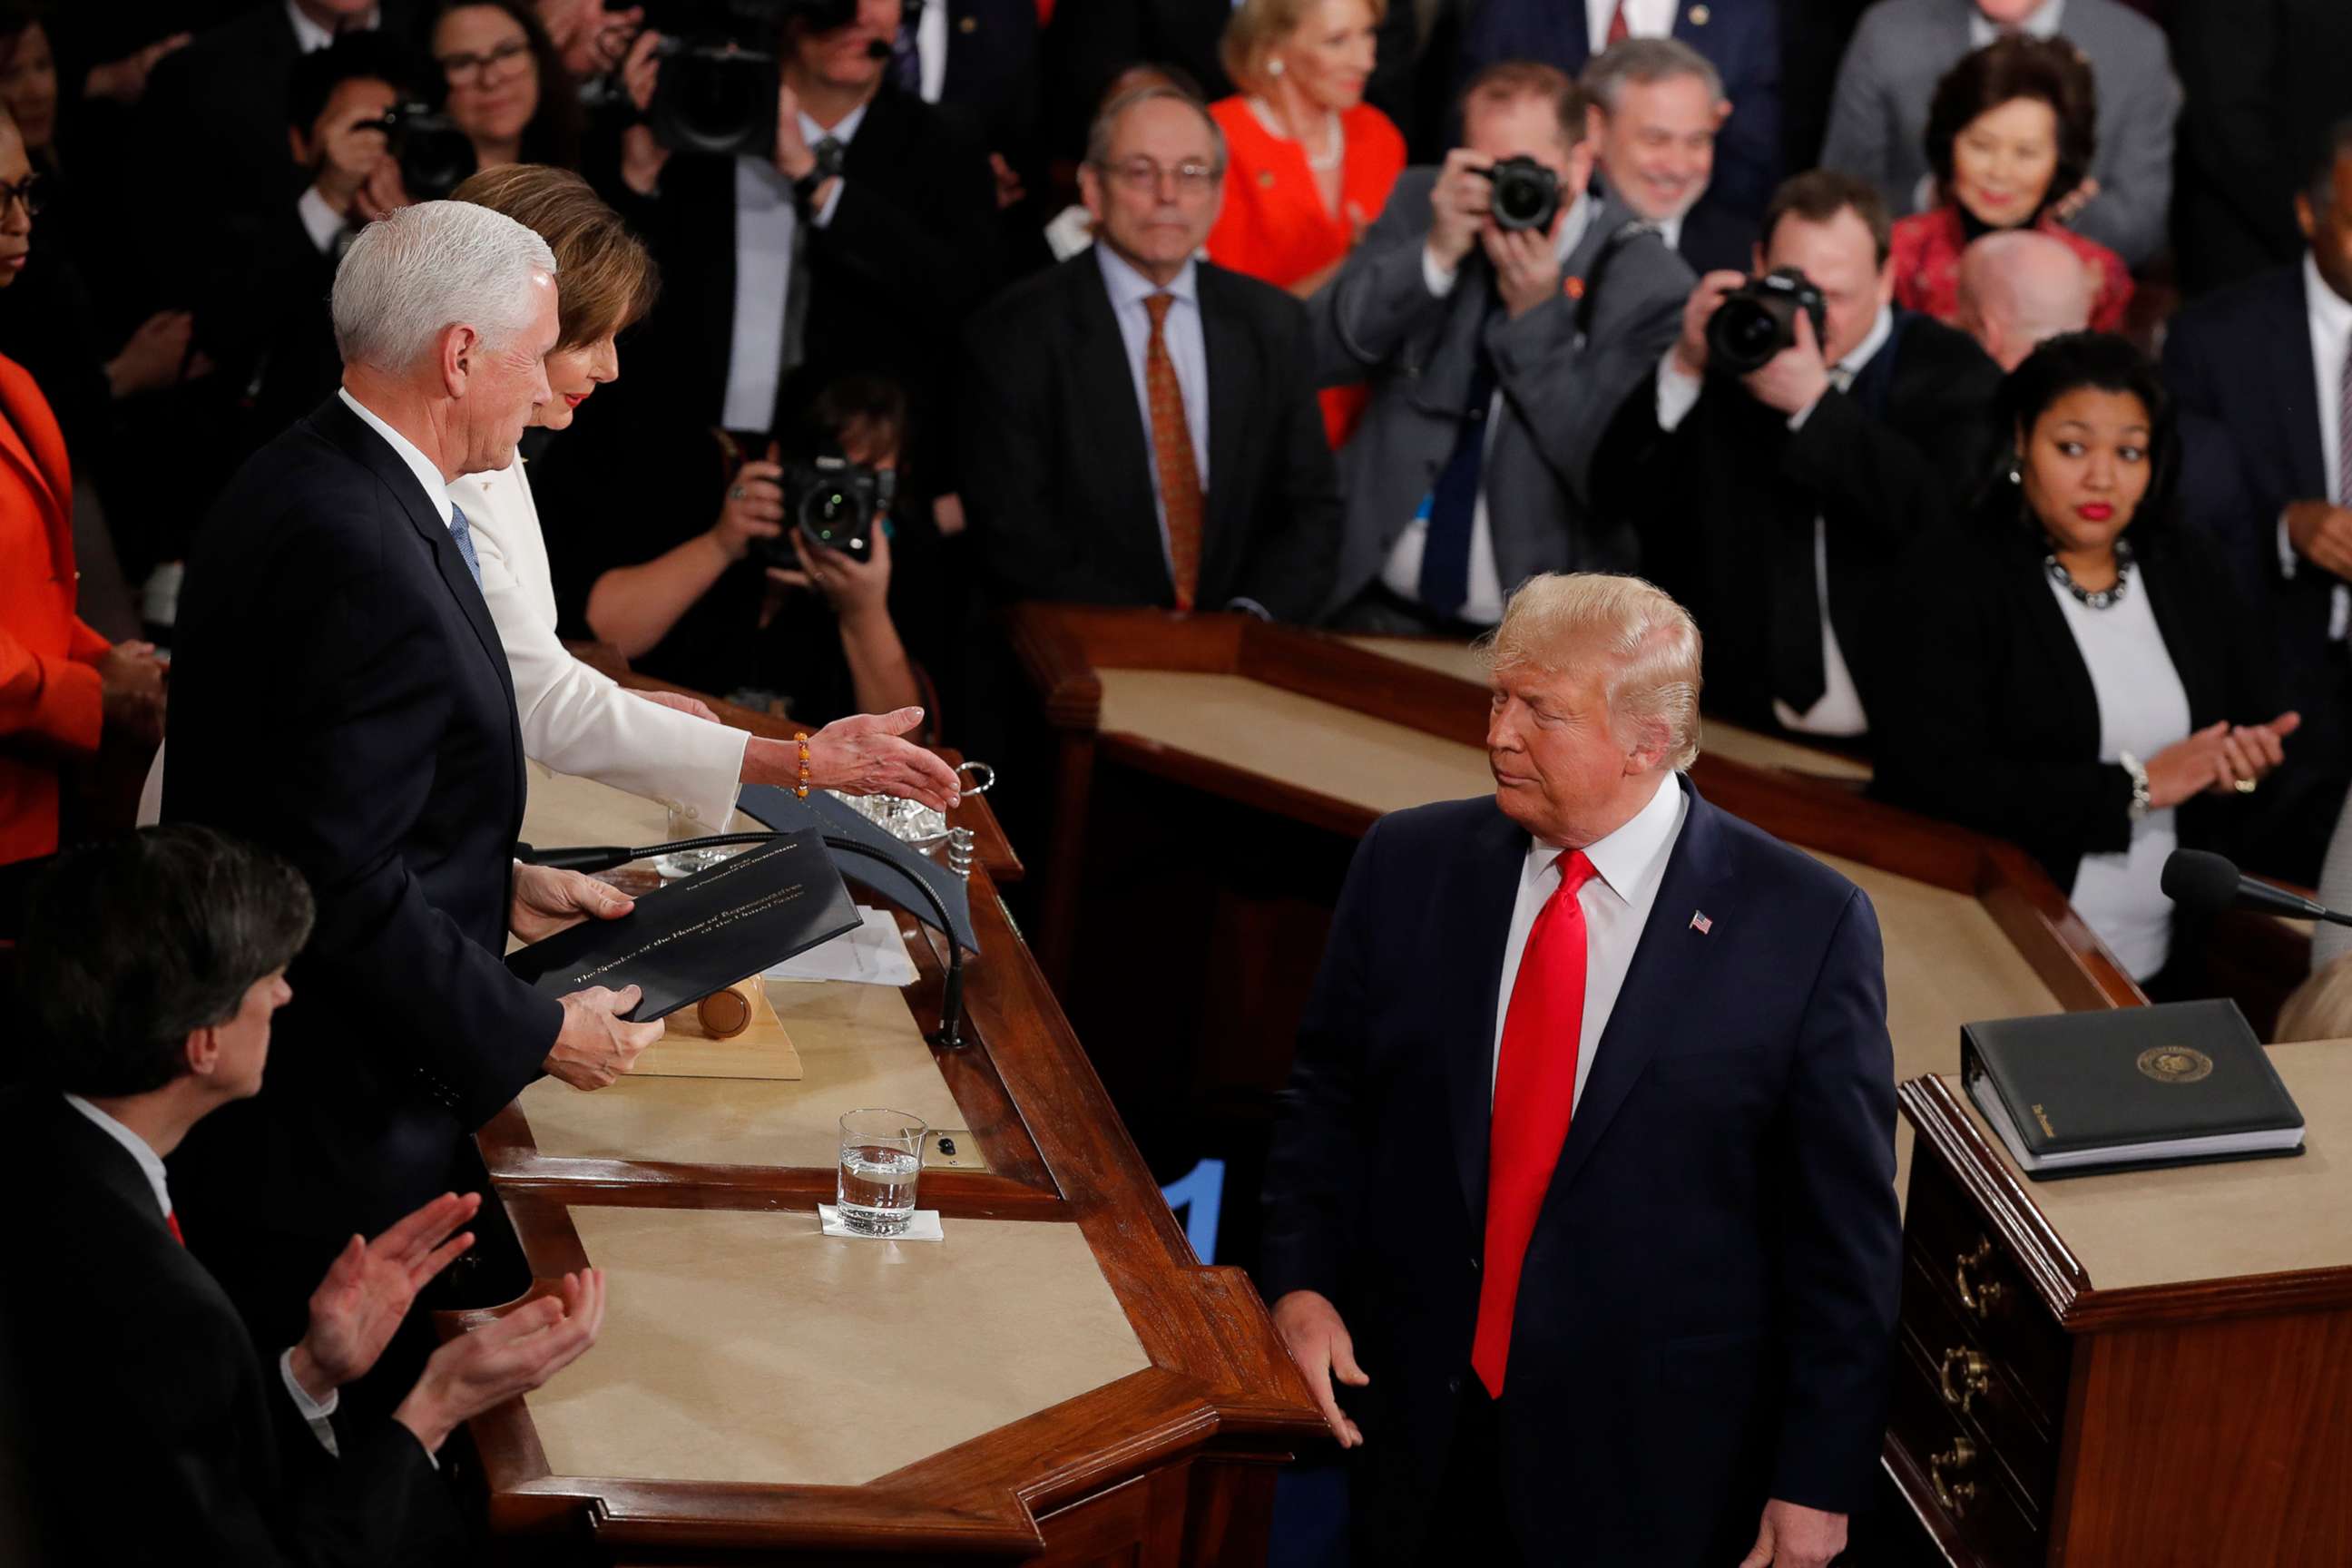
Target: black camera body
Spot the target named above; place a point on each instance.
(435, 156)
(1759, 318)
(1527, 194)
(720, 61)
(836, 504)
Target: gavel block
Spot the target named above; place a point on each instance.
(733, 1033)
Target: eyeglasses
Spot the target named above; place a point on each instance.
(470, 70)
(1146, 177)
(33, 190)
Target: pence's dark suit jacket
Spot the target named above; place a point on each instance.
(340, 695)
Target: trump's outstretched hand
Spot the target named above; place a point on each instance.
(1793, 1536)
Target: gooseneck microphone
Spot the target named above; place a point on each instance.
(605, 856)
(2205, 883)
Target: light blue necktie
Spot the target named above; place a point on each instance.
(465, 537)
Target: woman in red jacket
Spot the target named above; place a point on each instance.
(60, 682)
(2009, 134)
(1309, 163)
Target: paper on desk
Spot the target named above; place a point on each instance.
(874, 955)
(923, 1225)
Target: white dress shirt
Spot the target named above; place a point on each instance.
(2043, 23)
(576, 719)
(1628, 865)
(1188, 353)
(2328, 317)
(1401, 573)
(1643, 19)
(1839, 711)
(428, 474)
(2142, 708)
(311, 38)
(315, 1413)
(765, 220)
(931, 48)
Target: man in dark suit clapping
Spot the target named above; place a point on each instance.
(1583, 1186)
(341, 696)
(1140, 427)
(151, 968)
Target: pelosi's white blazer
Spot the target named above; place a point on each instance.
(574, 719)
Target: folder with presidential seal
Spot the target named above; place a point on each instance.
(2127, 1089)
(694, 944)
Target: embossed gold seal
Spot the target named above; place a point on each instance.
(2175, 1064)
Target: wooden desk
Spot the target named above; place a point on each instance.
(2147, 1368)
(1260, 753)
(1058, 1381)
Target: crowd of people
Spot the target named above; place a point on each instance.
(1977, 373)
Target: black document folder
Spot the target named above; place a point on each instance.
(703, 933)
(2130, 1088)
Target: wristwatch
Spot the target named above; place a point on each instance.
(2141, 800)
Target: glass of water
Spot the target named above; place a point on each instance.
(881, 1156)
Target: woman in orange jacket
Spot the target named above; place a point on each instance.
(61, 683)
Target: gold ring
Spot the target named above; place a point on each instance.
(2243, 786)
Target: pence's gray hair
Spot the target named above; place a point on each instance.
(1559, 620)
(421, 270)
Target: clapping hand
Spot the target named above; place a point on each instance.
(2248, 752)
(508, 1356)
(369, 1289)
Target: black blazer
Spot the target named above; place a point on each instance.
(1715, 500)
(1056, 480)
(1997, 726)
(910, 251)
(1707, 1303)
(157, 1435)
(341, 696)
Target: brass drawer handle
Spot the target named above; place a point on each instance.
(1955, 1495)
(1980, 1297)
(1964, 1375)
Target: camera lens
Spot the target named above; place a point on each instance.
(714, 101)
(827, 509)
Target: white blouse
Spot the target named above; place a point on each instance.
(2143, 708)
(574, 719)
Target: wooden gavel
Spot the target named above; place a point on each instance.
(724, 1014)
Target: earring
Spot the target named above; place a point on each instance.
(2016, 473)
(1274, 66)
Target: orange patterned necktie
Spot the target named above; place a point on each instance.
(1172, 449)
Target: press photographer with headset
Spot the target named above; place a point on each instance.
(850, 236)
(1787, 450)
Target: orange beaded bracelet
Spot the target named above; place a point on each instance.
(802, 738)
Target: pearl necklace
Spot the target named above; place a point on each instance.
(2094, 598)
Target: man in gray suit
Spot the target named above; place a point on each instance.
(1878, 118)
(1496, 357)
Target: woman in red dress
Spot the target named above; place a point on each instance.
(2009, 134)
(1309, 163)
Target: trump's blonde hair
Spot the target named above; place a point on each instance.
(1563, 620)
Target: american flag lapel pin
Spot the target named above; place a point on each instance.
(1700, 923)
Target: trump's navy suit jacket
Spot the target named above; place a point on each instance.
(1707, 1302)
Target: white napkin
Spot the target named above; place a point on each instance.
(923, 1226)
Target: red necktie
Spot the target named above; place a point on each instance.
(1535, 1087)
(171, 1219)
(1618, 30)
(1171, 448)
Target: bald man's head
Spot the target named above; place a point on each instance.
(2018, 287)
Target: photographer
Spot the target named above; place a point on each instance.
(853, 241)
(1494, 355)
(1777, 473)
(749, 606)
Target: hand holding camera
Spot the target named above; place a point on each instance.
(1458, 205)
(1768, 331)
(754, 509)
